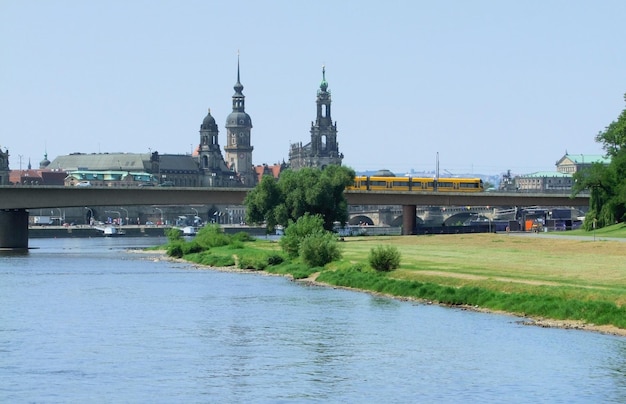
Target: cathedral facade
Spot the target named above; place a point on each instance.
(323, 149)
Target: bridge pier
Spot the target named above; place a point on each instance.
(13, 229)
(408, 219)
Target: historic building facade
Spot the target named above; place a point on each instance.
(323, 149)
(571, 163)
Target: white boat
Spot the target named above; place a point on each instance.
(189, 231)
(109, 231)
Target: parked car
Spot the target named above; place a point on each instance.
(83, 184)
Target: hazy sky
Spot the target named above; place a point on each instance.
(489, 85)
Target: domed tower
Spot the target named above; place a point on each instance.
(43, 164)
(238, 146)
(4, 167)
(210, 159)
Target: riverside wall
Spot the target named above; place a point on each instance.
(130, 231)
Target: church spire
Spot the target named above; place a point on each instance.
(324, 83)
(238, 86)
(238, 97)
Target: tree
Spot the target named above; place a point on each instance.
(309, 190)
(606, 183)
(613, 138)
(262, 203)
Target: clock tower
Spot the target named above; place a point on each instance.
(238, 146)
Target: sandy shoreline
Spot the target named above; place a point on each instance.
(312, 280)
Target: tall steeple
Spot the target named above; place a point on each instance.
(323, 149)
(238, 98)
(324, 146)
(238, 145)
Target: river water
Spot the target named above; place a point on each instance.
(84, 320)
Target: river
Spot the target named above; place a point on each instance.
(85, 320)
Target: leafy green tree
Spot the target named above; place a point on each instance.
(606, 183)
(264, 203)
(613, 137)
(309, 190)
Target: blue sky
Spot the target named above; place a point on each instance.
(489, 85)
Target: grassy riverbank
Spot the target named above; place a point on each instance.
(530, 275)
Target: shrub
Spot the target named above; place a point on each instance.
(296, 232)
(252, 262)
(235, 245)
(384, 258)
(318, 249)
(175, 249)
(275, 259)
(173, 234)
(211, 236)
(242, 236)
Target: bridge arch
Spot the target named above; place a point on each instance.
(397, 221)
(359, 220)
(461, 218)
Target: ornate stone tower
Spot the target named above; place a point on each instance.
(4, 167)
(210, 159)
(238, 147)
(323, 149)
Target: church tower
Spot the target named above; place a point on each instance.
(238, 147)
(323, 132)
(210, 159)
(323, 149)
(4, 167)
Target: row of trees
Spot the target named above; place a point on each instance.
(606, 183)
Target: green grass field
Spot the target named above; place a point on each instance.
(535, 275)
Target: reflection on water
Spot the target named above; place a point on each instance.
(85, 320)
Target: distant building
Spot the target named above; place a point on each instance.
(273, 170)
(205, 167)
(109, 178)
(37, 177)
(560, 180)
(117, 169)
(571, 163)
(323, 148)
(4, 167)
(544, 181)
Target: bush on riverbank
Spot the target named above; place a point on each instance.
(383, 258)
